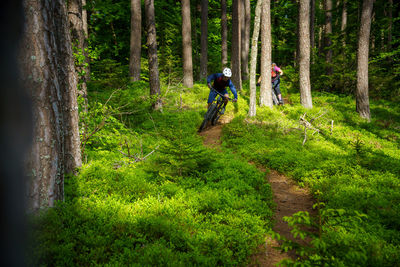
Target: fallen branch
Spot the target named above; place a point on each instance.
(308, 125)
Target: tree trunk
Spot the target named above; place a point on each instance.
(312, 23)
(328, 33)
(344, 22)
(245, 38)
(253, 59)
(304, 57)
(204, 39)
(187, 45)
(48, 70)
(389, 40)
(136, 40)
(79, 41)
(362, 98)
(152, 54)
(265, 69)
(236, 37)
(224, 35)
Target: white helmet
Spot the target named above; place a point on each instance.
(227, 72)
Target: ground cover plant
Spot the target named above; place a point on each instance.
(352, 167)
(150, 193)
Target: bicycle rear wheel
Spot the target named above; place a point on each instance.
(274, 98)
(208, 117)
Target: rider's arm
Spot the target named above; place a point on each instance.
(233, 89)
(279, 70)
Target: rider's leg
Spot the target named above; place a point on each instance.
(276, 87)
(226, 95)
(211, 98)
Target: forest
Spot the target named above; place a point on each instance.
(104, 163)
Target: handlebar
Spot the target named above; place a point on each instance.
(230, 99)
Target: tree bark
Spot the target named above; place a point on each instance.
(265, 69)
(344, 22)
(187, 45)
(152, 54)
(136, 40)
(389, 40)
(253, 59)
(48, 70)
(80, 45)
(362, 97)
(236, 47)
(224, 35)
(312, 23)
(245, 34)
(204, 39)
(304, 57)
(328, 32)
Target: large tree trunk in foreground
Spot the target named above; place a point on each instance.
(136, 40)
(187, 45)
(48, 70)
(266, 86)
(236, 37)
(362, 97)
(204, 41)
(304, 57)
(253, 60)
(224, 35)
(152, 54)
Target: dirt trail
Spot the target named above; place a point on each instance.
(289, 199)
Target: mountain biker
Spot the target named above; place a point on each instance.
(276, 80)
(221, 80)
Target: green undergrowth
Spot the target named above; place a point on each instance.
(351, 165)
(149, 193)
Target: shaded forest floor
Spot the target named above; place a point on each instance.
(288, 197)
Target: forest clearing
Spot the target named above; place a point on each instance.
(122, 149)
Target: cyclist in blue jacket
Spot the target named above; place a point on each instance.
(221, 81)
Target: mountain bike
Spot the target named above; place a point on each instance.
(214, 111)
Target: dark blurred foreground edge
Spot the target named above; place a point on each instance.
(15, 136)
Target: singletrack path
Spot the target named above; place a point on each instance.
(289, 199)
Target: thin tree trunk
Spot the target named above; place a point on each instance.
(362, 95)
(265, 69)
(48, 70)
(86, 31)
(389, 40)
(328, 33)
(152, 54)
(204, 41)
(312, 23)
(224, 35)
(79, 41)
(245, 39)
(304, 57)
(253, 59)
(344, 22)
(187, 45)
(136, 40)
(236, 47)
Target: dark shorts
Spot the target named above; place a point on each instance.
(213, 94)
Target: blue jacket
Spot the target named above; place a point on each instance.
(220, 84)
